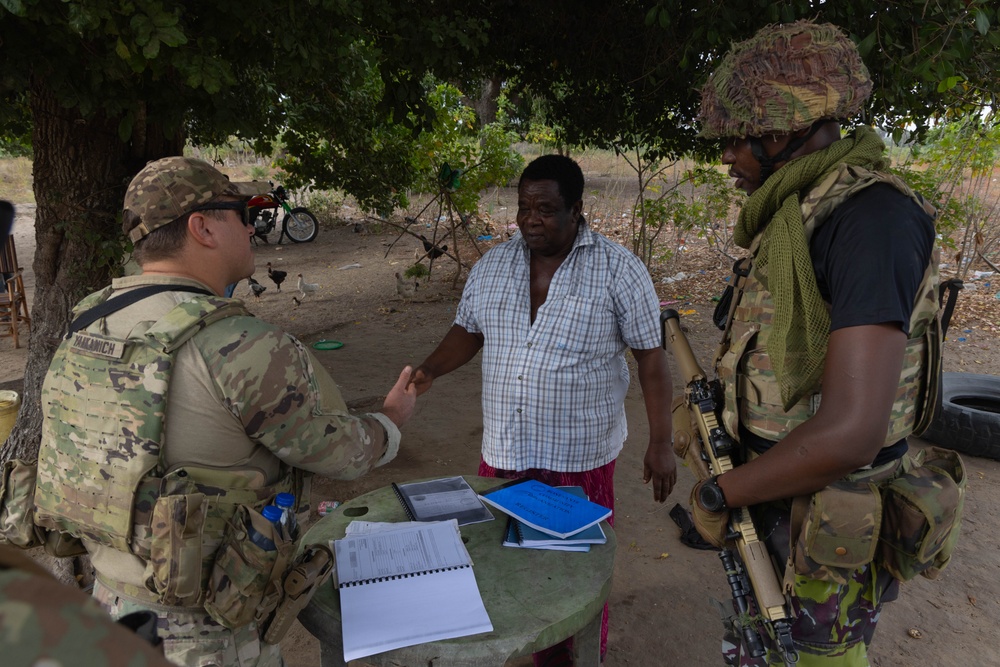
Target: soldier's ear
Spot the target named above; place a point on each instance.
(200, 229)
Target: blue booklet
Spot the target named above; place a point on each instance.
(546, 508)
(511, 539)
(532, 538)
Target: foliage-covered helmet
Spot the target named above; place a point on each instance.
(783, 79)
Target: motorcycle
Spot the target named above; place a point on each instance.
(299, 224)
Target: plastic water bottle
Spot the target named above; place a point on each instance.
(286, 503)
(272, 514)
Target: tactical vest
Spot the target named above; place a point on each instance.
(101, 473)
(752, 391)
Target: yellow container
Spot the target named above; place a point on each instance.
(10, 401)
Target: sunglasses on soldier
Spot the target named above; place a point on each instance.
(239, 206)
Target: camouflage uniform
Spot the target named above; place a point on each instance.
(230, 411)
(43, 622)
(785, 79)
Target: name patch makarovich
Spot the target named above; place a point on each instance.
(98, 346)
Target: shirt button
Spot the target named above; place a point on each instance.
(519, 411)
(520, 377)
(528, 345)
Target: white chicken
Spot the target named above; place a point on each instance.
(306, 288)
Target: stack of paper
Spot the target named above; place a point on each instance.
(546, 517)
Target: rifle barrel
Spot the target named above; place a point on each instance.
(670, 331)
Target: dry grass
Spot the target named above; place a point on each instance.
(15, 180)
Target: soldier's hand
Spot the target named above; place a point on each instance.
(713, 526)
(401, 400)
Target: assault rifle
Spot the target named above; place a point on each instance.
(708, 451)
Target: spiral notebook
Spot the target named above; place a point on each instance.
(406, 586)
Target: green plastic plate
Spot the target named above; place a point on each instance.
(327, 345)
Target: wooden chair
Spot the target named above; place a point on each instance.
(13, 300)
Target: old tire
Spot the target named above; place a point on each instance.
(968, 418)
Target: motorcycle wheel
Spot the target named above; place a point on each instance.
(300, 225)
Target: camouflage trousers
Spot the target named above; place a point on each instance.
(194, 639)
(832, 624)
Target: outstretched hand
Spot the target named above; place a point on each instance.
(401, 400)
(419, 380)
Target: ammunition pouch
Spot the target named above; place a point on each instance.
(17, 513)
(245, 584)
(839, 533)
(17, 507)
(906, 517)
(923, 514)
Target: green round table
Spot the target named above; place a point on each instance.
(534, 598)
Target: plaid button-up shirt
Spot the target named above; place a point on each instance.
(554, 391)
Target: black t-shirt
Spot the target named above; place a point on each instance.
(869, 258)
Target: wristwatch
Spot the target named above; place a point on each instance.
(710, 496)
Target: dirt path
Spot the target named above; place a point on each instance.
(660, 613)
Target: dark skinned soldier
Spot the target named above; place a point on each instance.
(839, 305)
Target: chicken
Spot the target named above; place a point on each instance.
(276, 276)
(296, 301)
(256, 287)
(432, 250)
(405, 288)
(306, 288)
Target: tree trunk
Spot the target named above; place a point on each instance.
(80, 174)
(486, 104)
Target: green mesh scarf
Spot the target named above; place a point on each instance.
(801, 326)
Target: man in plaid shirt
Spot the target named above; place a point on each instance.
(553, 310)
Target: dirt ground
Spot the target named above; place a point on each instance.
(660, 609)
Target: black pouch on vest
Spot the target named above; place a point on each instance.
(721, 313)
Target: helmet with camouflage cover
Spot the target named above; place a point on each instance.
(167, 189)
(784, 79)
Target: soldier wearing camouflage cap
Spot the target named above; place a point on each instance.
(172, 417)
(837, 301)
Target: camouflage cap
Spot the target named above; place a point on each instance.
(167, 189)
(783, 79)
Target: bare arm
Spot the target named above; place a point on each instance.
(860, 379)
(457, 348)
(658, 465)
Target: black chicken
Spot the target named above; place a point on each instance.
(256, 287)
(276, 276)
(432, 250)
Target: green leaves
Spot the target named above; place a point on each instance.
(982, 22)
(157, 27)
